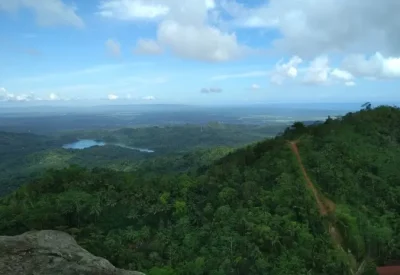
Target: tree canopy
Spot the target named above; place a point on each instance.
(249, 212)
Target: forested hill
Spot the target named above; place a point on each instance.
(318, 199)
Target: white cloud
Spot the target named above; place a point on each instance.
(342, 75)
(7, 96)
(199, 42)
(112, 97)
(184, 27)
(132, 9)
(255, 87)
(148, 46)
(113, 47)
(285, 71)
(149, 97)
(211, 90)
(4, 95)
(258, 17)
(54, 96)
(48, 12)
(376, 66)
(310, 28)
(25, 97)
(210, 4)
(318, 71)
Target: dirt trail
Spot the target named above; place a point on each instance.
(388, 270)
(323, 209)
(326, 206)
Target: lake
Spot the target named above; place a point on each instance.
(83, 144)
(87, 143)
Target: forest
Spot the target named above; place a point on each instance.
(316, 199)
(24, 154)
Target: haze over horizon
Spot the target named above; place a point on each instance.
(202, 52)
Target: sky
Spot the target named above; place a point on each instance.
(199, 51)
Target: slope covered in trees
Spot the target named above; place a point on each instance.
(250, 212)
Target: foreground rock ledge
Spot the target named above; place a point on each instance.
(51, 252)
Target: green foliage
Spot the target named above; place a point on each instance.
(354, 161)
(249, 212)
(181, 224)
(177, 148)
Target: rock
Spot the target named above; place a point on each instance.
(51, 252)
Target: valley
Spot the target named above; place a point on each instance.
(123, 149)
(316, 199)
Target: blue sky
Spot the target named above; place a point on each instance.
(199, 51)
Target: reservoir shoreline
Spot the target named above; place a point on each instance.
(88, 143)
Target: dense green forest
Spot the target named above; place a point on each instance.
(174, 139)
(176, 148)
(251, 211)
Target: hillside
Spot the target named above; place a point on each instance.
(318, 199)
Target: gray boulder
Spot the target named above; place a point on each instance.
(51, 252)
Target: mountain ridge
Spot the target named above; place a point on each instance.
(250, 212)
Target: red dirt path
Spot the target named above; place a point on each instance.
(388, 270)
(326, 206)
(323, 209)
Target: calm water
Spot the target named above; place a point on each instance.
(83, 144)
(87, 143)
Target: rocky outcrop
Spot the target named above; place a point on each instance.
(50, 252)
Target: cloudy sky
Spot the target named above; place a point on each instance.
(199, 51)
